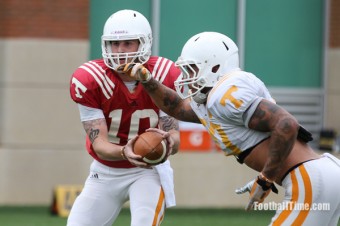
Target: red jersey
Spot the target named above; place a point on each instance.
(127, 114)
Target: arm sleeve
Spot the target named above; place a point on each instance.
(250, 111)
(88, 113)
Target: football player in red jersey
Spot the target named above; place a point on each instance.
(114, 109)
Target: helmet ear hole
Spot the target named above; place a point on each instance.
(215, 68)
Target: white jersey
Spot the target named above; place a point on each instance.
(230, 105)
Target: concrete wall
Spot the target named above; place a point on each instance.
(332, 92)
(41, 137)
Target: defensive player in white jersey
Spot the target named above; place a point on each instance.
(114, 109)
(243, 119)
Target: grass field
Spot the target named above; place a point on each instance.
(40, 216)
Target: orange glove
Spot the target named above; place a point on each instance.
(135, 70)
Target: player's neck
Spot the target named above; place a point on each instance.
(131, 85)
(125, 78)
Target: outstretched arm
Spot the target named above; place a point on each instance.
(169, 101)
(269, 117)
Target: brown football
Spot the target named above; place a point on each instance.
(151, 146)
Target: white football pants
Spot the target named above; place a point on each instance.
(107, 189)
(312, 194)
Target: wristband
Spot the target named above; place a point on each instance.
(146, 75)
(263, 177)
(266, 184)
(122, 153)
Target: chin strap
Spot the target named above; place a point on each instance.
(200, 98)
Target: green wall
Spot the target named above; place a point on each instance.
(283, 38)
(284, 42)
(100, 10)
(181, 19)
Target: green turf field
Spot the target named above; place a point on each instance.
(40, 216)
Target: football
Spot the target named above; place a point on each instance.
(151, 146)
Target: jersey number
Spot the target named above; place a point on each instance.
(116, 117)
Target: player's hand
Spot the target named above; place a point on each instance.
(245, 188)
(135, 70)
(259, 189)
(129, 155)
(169, 141)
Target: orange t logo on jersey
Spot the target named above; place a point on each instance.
(228, 96)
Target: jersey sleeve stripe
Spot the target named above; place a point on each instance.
(154, 71)
(161, 72)
(100, 76)
(97, 80)
(103, 72)
(166, 71)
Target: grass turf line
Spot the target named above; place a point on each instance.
(40, 216)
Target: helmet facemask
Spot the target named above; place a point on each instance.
(193, 81)
(113, 60)
(188, 83)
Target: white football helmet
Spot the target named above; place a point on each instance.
(126, 25)
(204, 59)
